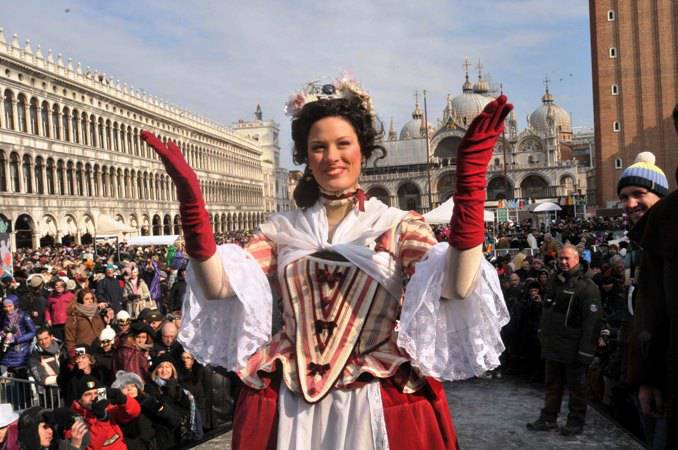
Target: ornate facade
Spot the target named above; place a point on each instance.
(70, 153)
(540, 160)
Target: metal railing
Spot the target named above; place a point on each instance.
(23, 394)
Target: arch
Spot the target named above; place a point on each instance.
(39, 170)
(8, 103)
(145, 225)
(409, 196)
(157, 225)
(133, 221)
(69, 230)
(56, 129)
(44, 119)
(177, 224)
(33, 116)
(530, 144)
(380, 193)
(497, 188)
(445, 186)
(21, 113)
(88, 229)
(534, 186)
(447, 147)
(48, 230)
(3, 174)
(24, 227)
(14, 173)
(27, 172)
(167, 224)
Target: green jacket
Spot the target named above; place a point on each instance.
(571, 318)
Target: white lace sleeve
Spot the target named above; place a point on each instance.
(465, 340)
(226, 332)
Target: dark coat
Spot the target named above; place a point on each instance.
(176, 296)
(110, 290)
(68, 381)
(656, 319)
(18, 351)
(139, 433)
(199, 383)
(34, 303)
(171, 420)
(571, 318)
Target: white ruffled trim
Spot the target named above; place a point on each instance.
(227, 332)
(465, 341)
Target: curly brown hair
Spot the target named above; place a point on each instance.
(365, 125)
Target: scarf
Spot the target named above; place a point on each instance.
(299, 233)
(86, 310)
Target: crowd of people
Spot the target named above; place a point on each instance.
(89, 351)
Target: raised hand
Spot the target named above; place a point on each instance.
(195, 221)
(467, 228)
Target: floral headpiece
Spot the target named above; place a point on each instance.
(344, 87)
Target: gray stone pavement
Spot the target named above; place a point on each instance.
(491, 414)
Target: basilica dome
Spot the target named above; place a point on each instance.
(466, 106)
(413, 127)
(549, 110)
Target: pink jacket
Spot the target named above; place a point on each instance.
(57, 308)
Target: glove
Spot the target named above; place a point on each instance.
(467, 225)
(149, 402)
(115, 396)
(195, 221)
(99, 409)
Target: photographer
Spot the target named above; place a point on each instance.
(42, 429)
(17, 333)
(84, 366)
(104, 410)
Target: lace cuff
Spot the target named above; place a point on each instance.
(226, 332)
(465, 341)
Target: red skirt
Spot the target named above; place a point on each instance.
(420, 421)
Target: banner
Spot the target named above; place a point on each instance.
(6, 264)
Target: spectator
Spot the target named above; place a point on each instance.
(103, 416)
(136, 295)
(196, 378)
(34, 302)
(177, 420)
(56, 314)
(569, 329)
(7, 285)
(110, 289)
(103, 352)
(153, 318)
(139, 433)
(9, 428)
(529, 326)
(84, 366)
(17, 333)
(36, 432)
(178, 291)
(133, 354)
(84, 324)
(45, 362)
(168, 343)
(123, 322)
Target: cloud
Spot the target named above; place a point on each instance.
(219, 59)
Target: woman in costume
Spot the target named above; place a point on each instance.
(375, 313)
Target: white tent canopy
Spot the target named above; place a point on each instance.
(442, 213)
(153, 240)
(107, 226)
(544, 207)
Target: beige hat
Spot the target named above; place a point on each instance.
(35, 281)
(70, 285)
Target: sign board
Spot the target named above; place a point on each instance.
(502, 215)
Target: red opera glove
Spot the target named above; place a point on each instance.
(195, 221)
(467, 226)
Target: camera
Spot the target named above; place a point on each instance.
(80, 351)
(101, 394)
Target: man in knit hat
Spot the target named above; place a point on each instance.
(641, 185)
(656, 319)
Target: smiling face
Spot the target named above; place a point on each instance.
(334, 155)
(636, 200)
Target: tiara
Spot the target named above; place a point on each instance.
(344, 87)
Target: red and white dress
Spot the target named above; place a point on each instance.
(365, 334)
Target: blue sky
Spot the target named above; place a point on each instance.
(220, 58)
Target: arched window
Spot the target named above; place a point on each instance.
(88, 180)
(75, 116)
(44, 117)
(65, 118)
(50, 176)
(39, 168)
(34, 115)
(21, 112)
(71, 178)
(104, 182)
(3, 175)
(83, 124)
(129, 140)
(61, 178)
(96, 180)
(120, 186)
(116, 147)
(101, 132)
(56, 130)
(9, 109)
(14, 172)
(122, 139)
(140, 191)
(108, 134)
(79, 179)
(27, 169)
(136, 142)
(93, 131)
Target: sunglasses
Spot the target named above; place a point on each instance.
(123, 322)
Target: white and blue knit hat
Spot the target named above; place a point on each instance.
(643, 172)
